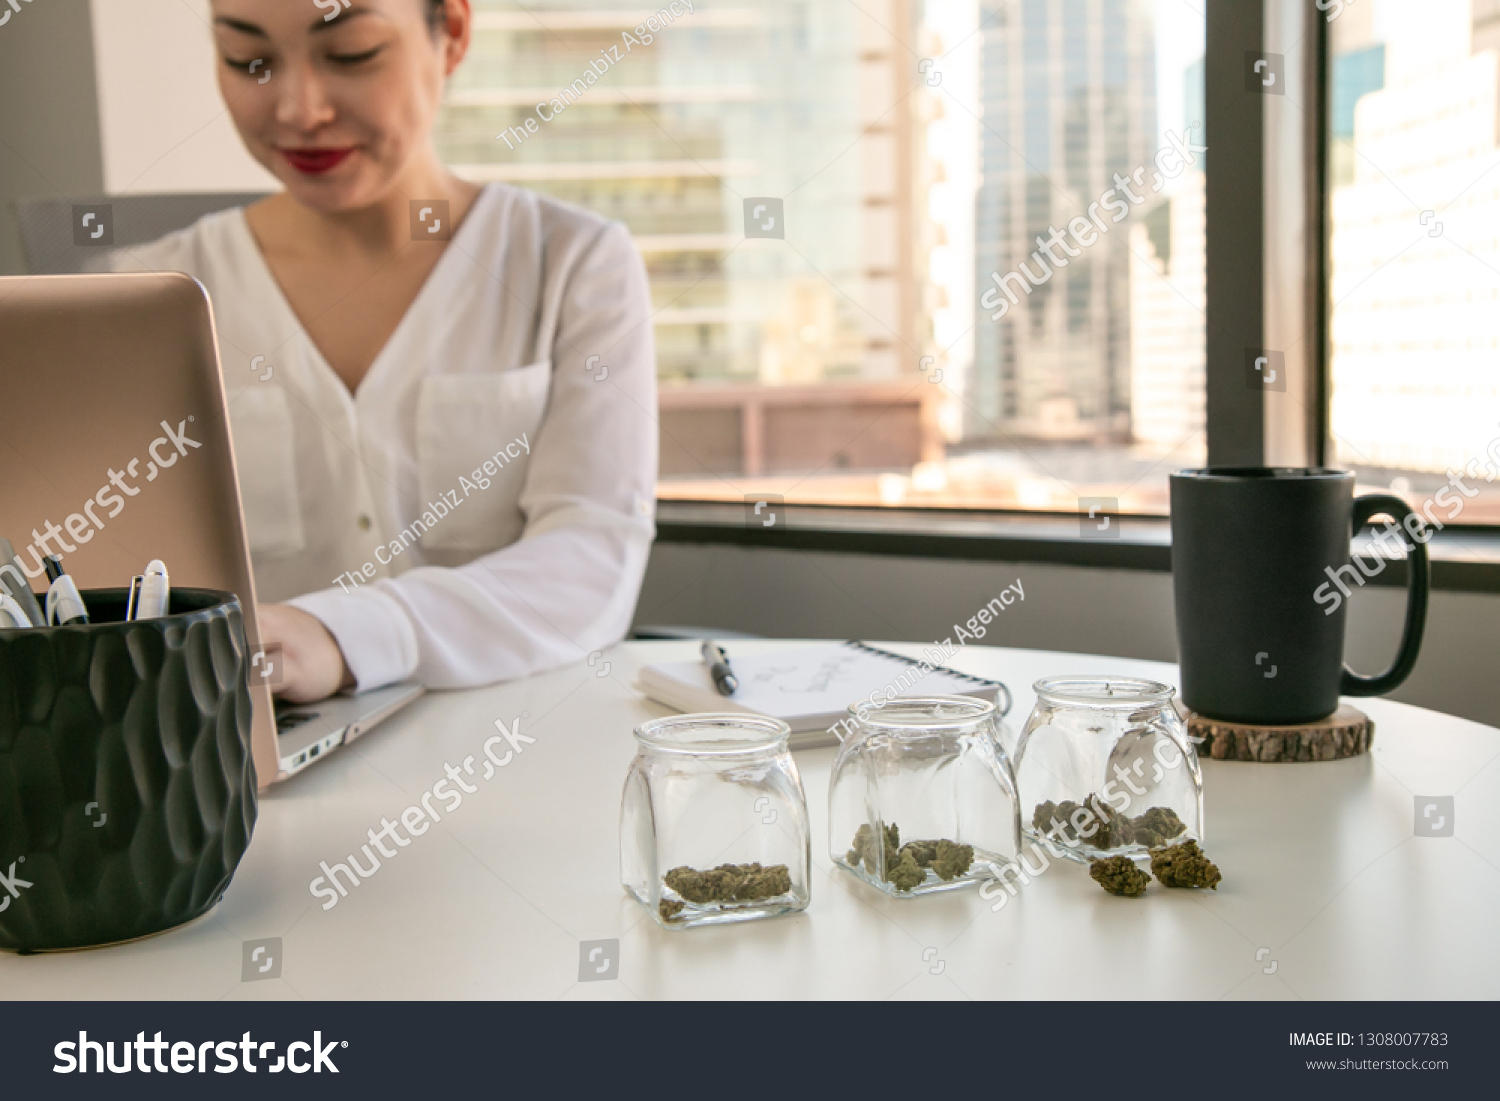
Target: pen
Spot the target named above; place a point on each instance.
(13, 582)
(725, 682)
(64, 605)
(149, 592)
(11, 614)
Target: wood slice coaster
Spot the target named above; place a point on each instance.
(1348, 732)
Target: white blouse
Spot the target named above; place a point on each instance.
(481, 507)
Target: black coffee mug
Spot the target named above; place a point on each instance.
(1261, 573)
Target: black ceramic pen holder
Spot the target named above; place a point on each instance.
(127, 788)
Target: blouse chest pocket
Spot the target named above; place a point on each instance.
(474, 438)
(265, 459)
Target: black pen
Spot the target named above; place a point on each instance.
(725, 682)
(64, 605)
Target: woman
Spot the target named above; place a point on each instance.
(435, 485)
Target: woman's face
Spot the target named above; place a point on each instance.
(336, 97)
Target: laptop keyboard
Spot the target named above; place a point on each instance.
(290, 720)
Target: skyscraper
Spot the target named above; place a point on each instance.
(1416, 251)
(1167, 319)
(1069, 100)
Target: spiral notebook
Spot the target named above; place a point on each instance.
(809, 687)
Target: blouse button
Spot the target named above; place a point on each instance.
(364, 523)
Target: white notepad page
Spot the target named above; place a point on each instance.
(807, 687)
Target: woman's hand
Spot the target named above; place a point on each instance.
(312, 664)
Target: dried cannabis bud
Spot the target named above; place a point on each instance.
(952, 859)
(906, 865)
(669, 908)
(906, 873)
(1157, 826)
(1119, 876)
(1042, 820)
(1102, 826)
(1115, 830)
(728, 883)
(923, 852)
(1184, 865)
(864, 846)
(1105, 827)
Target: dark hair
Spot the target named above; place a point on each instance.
(435, 10)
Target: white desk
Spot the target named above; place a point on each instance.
(1320, 866)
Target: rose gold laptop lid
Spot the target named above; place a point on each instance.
(116, 447)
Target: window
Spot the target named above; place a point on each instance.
(882, 235)
(1415, 247)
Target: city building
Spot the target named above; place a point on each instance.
(1416, 252)
(1069, 101)
(798, 351)
(1167, 317)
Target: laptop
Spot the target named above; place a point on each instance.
(117, 376)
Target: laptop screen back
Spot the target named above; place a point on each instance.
(115, 447)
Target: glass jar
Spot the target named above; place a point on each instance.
(713, 822)
(1105, 768)
(922, 797)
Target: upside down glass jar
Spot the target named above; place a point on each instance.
(713, 821)
(922, 798)
(1104, 768)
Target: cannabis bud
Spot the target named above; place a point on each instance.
(906, 873)
(1119, 876)
(1115, 830)
(866, 848)
(727, 883)
(1184, 865)
(1157, 826)
(1094, 822)
(1163, 820)
(906, 865)
(952, 860)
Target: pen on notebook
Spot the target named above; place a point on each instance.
(150, 592)
(64, 605)
(725, 682)
(13, 582)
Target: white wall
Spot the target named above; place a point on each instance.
(164, 125)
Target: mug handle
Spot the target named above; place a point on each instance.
(1417, 583)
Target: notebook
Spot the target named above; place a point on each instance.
(810, 687)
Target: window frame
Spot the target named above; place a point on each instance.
(1465, 558)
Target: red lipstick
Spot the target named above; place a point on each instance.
(314, 162)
